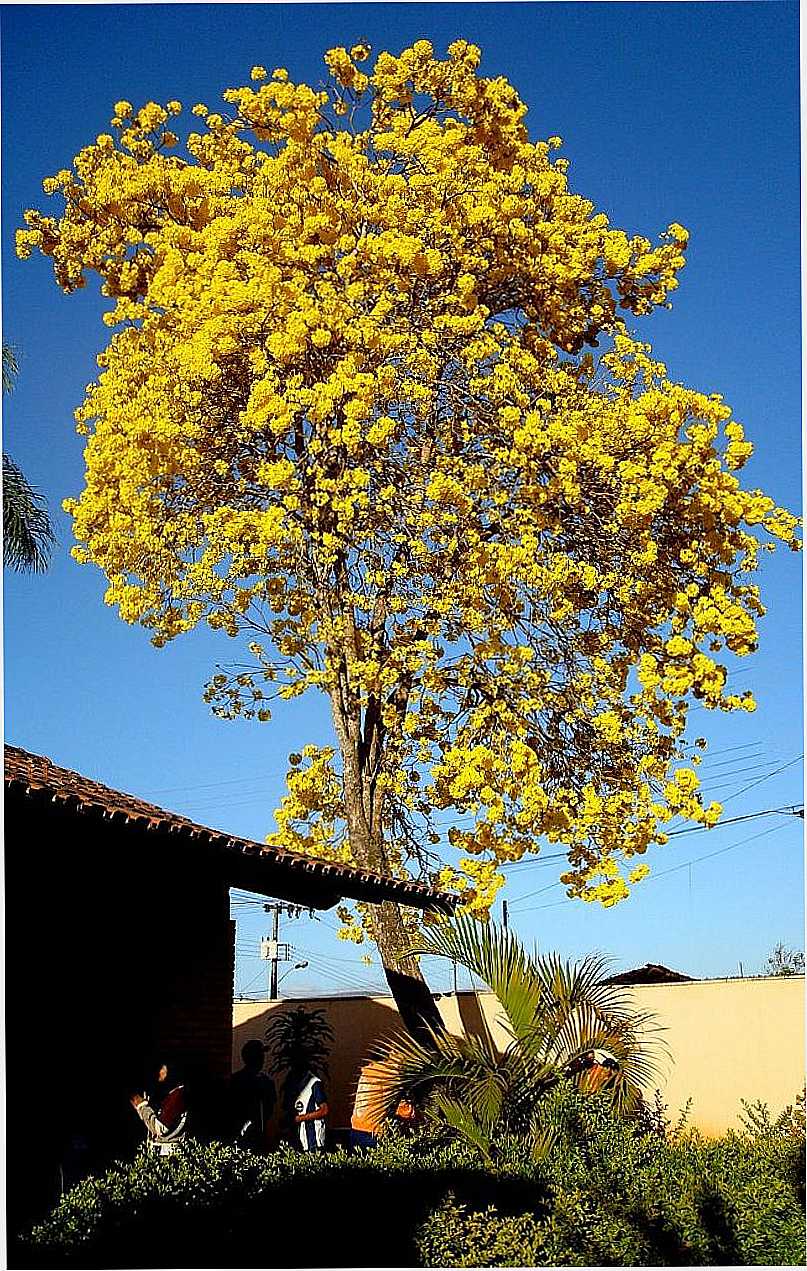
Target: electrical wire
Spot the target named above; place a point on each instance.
(283, 772)
(735, 820)
(230, 781)
(323, 953)
(321, 964)
(548, 859)
(729, 781)
(695, 829)
(673, 868)
(249, 797)
(322, 967)
(363, 985)
(248, 986)
(775, 773)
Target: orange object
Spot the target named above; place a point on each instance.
(366, 1115)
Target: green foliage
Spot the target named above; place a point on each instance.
(555, 1014)
(299, 1039)
(217, 1205)
(784, 961)
(28, 536)
(621, 1195)
(613, 1192)
(453, 1236)
(10, 367)
(609, 1192)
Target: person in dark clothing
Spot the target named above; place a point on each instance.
(252, 1099)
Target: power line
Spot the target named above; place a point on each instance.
(719, 851)
(775, 773)
(325, 954)
(230, 781)
(734, 820)
(547, 859)
(322, 967)
(674, 868)
(251, 982)
(674, 834)
(726, 750)
(242, 797)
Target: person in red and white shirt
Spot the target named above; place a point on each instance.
(167, 1127)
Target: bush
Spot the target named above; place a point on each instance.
(617, 1194)
(608, 1193)
(218, 1205)
(453, 1236)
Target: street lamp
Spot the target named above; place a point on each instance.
(298, 966)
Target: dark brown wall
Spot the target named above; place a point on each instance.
(120, 950)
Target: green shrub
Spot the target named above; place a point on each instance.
(453, 1236)
(622, 1197)
(217, 1205)
(611, 1193)
(608, 1193)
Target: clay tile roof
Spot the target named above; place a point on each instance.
(650, 973)
(37, 773)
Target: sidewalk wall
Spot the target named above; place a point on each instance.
(727, 1039)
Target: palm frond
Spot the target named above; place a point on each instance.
(10, 367)
(542, 1140)
(407, 1068)
(556, 1013)
(28, 536)
(496, 957)
(298, 1038)
(485, 1093)
(465, 1123)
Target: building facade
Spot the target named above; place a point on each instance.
(120, 953)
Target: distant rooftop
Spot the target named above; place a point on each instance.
(650, 973)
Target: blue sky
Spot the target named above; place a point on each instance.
(684, 112)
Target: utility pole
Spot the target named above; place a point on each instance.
(274, 958)
(271, 949)
(504, 914)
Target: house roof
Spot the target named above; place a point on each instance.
(650, 973)
(255, 866)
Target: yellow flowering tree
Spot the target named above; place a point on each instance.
(350, 412)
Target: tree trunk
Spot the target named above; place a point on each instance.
(361, 750)
(404, 976)
(412, 995)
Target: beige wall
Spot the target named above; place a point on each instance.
(727, 1040)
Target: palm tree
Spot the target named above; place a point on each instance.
(10, 368)
(299, 1039)
(28, 536)
(563, 1020)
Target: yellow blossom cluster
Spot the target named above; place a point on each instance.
(349, 407)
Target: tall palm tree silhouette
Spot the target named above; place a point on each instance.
(28, 535)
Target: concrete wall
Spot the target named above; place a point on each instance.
(727, 1040)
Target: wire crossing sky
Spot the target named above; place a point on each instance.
(668, 112)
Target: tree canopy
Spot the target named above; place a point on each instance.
(351, 412)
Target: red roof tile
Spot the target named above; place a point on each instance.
(38, 773)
